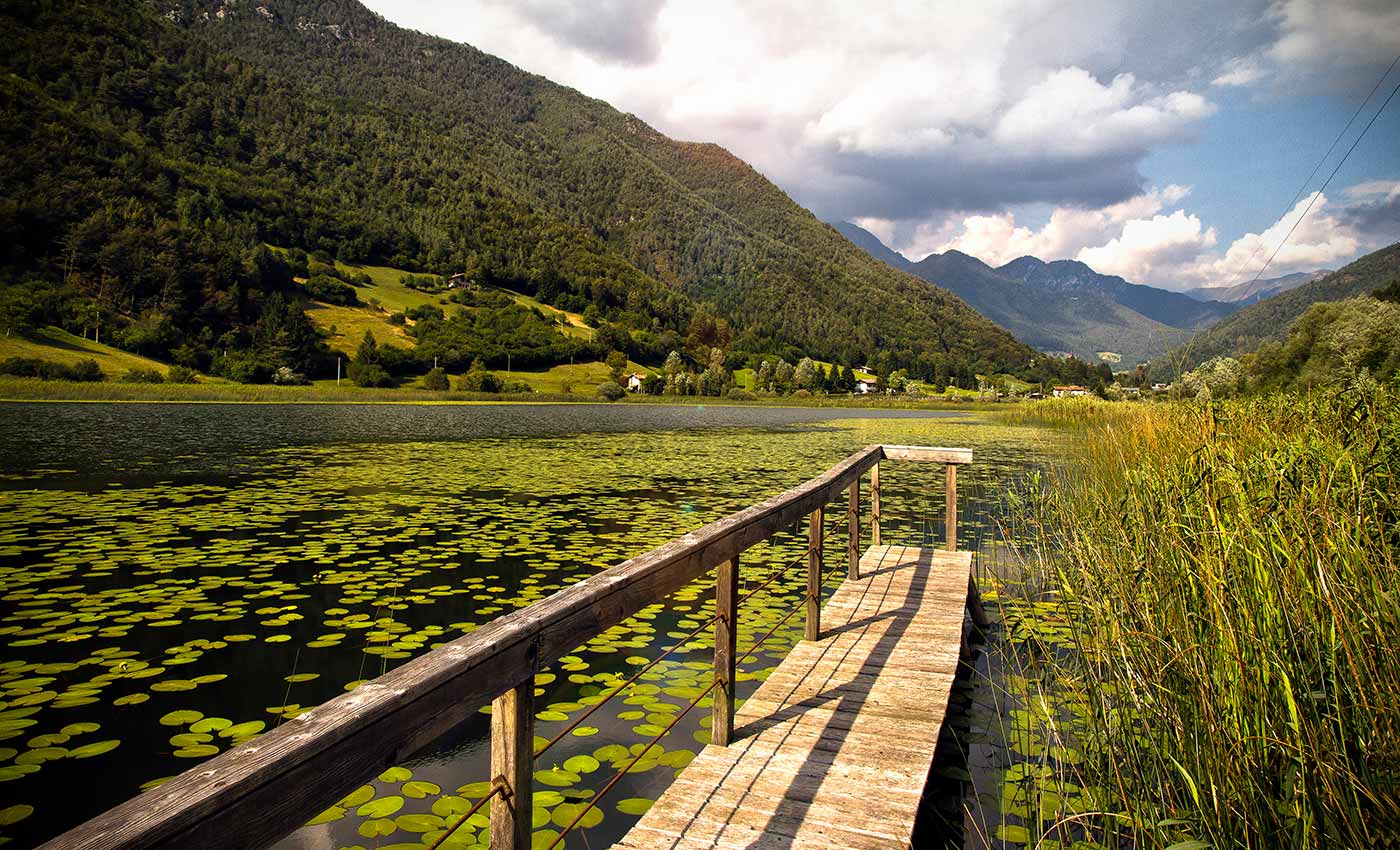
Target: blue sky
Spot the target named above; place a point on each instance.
(1157, 141)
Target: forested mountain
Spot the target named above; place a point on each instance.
(1252, 292)
(152, 149)
(1061, 306)
(1269, 320)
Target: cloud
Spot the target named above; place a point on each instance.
(1151, 239)
(1335, 43)
(1240, 71)
(890, 110)
(608, 30)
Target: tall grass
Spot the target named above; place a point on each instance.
(1228, 574)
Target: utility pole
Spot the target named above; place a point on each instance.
(337, 370)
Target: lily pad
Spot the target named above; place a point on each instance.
(381, 807)
(93, 749)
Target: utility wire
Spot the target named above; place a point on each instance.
(1323, 187)
(1316, 168)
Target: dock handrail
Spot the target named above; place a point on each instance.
(256, 793)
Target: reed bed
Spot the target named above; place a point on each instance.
(1227, 578)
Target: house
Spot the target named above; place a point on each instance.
(460, 281)
(1161, 388)
(1132, 391)
(1069, 391)
(634, 382)
(864, 387)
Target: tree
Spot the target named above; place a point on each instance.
(478, 380)
(716, 377)
(435, 380)
(611, 390)
(617, 364)
(805, 375)
(763, 379)
(783, 377)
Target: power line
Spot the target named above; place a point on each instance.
(1323, 187)
(1298, 194)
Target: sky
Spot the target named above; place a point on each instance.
(1167, 143)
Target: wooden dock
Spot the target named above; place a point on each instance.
(833, 749)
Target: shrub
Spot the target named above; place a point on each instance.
(330, 290)
(286, 376)
(478, 380)
(142, 376)
(611, 390)
(86, 370)
(180, 375)
(518, 387)
(740, 394)
(370, 375)
(802, 394)
(398, 319)
(436, 380)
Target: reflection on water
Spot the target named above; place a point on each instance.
(176, 578)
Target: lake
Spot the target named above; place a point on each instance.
(176, 578)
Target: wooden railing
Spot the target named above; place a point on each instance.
(254, 794)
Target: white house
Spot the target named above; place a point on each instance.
(634, 382)
(864, 386)
(1069, 391)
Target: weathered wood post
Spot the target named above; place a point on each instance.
(853, 526)
(513, 766)
(726, 632)
(951, 495)
(875, 505)
(814, 573)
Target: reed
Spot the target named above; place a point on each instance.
(1228, 577)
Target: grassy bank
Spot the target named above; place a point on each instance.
(326, 392)
(1223, 616)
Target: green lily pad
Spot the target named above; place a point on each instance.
(211, 724)
(94, 749)
(396, 774)
(418, 789)
(14, 814)
(565, 813)
(634, 806)
(556, 777)
(377, 828)
(381, 807)
(419, 823)
(581, 764)
(181, 718)
(358, 797)
(334, 813)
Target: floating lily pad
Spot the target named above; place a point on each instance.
(396, 774)
(634, 806)
(418, 789)
(381, 807)
(14, 814)
(94, 749)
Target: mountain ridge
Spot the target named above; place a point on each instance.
(323, 126)
(1061, 305)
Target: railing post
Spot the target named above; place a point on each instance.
(853, 523)
(726, 631)
(513, 765)
(875, 505)
(814, 573)
(951, 496)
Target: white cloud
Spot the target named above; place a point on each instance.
(1150, 239)
(1240, 71)
(1333, 39)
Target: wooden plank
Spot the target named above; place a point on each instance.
(875, 505)
(513, 764)
(815, 523)
(927, 454)
(254, 794)
(853, 531)
(950, 495)
(834, 748)
(726, 632)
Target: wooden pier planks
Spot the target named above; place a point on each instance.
(833, 749)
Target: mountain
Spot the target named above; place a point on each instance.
(1061, 306)
(1252, 292)
(1270, 319)
(871, 244)
(150, 150)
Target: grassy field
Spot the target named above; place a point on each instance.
(1222, 619)
(350, 323)
(60, 346)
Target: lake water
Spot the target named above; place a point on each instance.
(176, 578)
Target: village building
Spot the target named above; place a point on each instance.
(1069, 391)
